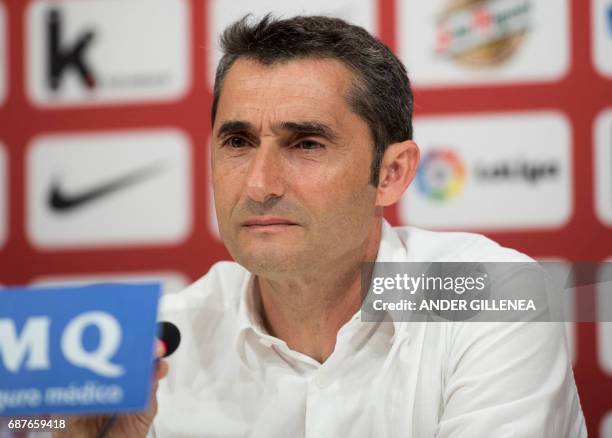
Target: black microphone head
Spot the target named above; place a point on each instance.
(170, 335)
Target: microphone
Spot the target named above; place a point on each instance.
(170, 336)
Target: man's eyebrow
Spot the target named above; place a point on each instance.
(310, 128)
(304, 128)
(234, 126)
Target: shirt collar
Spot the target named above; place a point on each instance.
(249, 313)
(391, 249)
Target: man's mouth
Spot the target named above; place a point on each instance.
(268, 223)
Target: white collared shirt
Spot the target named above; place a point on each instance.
(229, 378)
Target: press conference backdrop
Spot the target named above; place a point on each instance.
(104, 136)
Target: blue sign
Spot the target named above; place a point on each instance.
(610, 20)
(77, 350)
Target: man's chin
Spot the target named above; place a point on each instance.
(271, 252)
(270, 260)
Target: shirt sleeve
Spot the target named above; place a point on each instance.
(509, 379)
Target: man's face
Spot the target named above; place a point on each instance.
(291, 167)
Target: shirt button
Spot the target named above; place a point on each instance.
(322, 379)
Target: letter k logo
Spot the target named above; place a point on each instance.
(60, 58)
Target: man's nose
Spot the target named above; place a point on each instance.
(265, 179)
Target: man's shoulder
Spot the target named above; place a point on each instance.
(428, 245)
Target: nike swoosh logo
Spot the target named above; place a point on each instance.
(60, 202)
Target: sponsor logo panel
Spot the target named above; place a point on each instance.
(3, 53)
(604, 301)
(603, 166)
(172, 282)
(602, 36)
(101, 189)
(464, 42)
(84, 349)
(501, 171)
(100, 51)
(3, 196)
(224, 12)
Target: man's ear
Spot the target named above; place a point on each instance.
(397, 169)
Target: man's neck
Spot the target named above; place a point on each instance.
(308, 311)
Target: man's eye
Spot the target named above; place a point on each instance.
(309, 145)
(235, 142)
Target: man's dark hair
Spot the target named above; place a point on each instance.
(381, 93)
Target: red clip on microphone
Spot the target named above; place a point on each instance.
(170, 336)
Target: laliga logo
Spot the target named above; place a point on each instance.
(34, 342)
(441, 175)
(482, 33)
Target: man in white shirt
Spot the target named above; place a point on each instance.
(311, 139)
